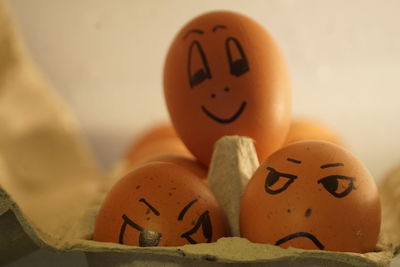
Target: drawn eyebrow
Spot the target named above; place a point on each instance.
(294, 160)
(331, 165)
(192, 31)
(185, 209)
(156, 212)
(216, 27)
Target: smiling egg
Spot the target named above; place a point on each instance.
(312, 195)
(160, 204)
(225, 75)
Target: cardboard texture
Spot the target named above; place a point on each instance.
(51, 189)
(232, 153)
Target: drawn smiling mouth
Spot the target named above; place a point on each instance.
(301, 234)
(226, 120)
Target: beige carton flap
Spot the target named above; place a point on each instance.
(45, 166)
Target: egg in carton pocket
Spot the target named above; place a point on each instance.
(51, 189)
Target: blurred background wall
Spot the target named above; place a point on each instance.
(105, 58)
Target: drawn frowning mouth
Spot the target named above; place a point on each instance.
(301, 234)
(226, 120)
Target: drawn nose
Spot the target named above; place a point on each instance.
(226, 90)
(308, 212)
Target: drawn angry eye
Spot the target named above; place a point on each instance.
(198, 69)
(337, 185)
(204, 222)
(236, 57)
(276, 182)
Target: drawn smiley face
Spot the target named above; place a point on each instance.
(160, 204)
(224, 75)
(312, 195)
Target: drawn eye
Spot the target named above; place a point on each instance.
(276, 182)
(198, 69)
(337, 185)
(236, 57)
(204, 222)
(147, 238)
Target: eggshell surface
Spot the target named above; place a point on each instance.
(160, 204)
(155, 132)
(187, 162)
(166, 145)
(302, 129)
(312, 195)
(157, 140)
(225, 75)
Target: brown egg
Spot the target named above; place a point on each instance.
(302, 129)
(312, 195)
(160, 204)
(156, 132)
(187, 162)
(225, 75)
(166, 145)
(158, 140)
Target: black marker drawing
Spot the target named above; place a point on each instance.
(196, 31)
(331, 184)
(238, 66)
(205, 222)
(308, 212)
(147, 238)
(216, 27)
(201, 74)
(225, 120)
(156, 212)
(331, 165)
(273, 177)
(301, 234)
(294, 160)
(185, 209)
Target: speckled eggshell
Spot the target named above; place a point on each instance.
(160, 204)
(225, 75)
(312, 195)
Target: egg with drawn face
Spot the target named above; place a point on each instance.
(312, 195)
(225, 75)
(160, 204)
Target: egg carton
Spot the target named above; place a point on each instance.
(230, 162)
(51, 188)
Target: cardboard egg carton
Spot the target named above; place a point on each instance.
(51, 189)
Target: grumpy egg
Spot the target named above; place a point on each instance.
(225, 75)
(160, 204)
(312, 195)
